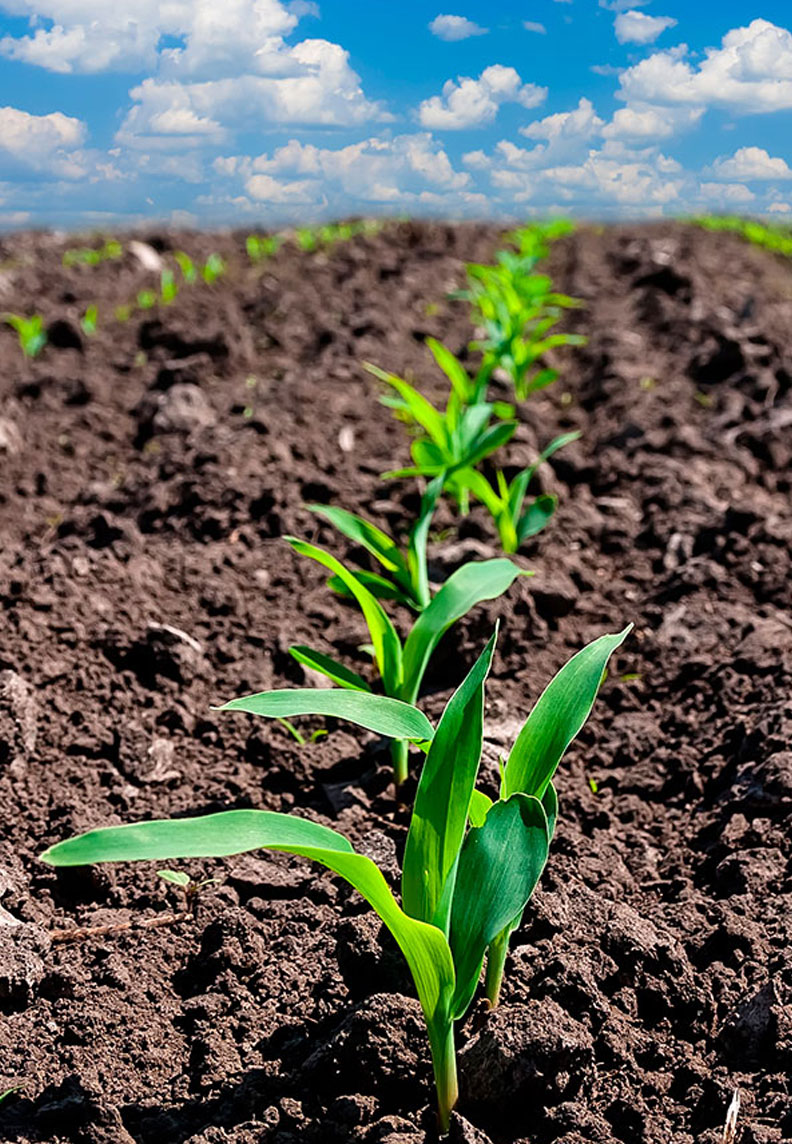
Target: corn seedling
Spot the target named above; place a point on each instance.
(213, 268)
(187, 266)
(774, 237)
(31, 332)
(400, 666)
(506, 502)
(88, 256)
(89, 321)
(407, 581)
(470, 864)
(191, 889)
(146, 300)
(458, 438)
(168, 288)
(261, 246)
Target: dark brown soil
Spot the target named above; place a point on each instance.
(146, 478)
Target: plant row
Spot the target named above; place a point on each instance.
(471, 861)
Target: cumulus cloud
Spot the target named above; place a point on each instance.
(750, 72)
(726, 194)
(637, 28)
(470, 102)
(455, 28)
(535, 26)
(751, 163)
(643, 122)
(407, 169)
(47, 144)
(580, 124)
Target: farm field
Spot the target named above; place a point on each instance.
(149, 472)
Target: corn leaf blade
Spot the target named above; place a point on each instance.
(469, 585)
(559, 713)
(445, 789)
(329, 667)
(381, 546)
(236, 831)
(499, 865)
(377, 713)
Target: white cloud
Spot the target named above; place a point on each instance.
(749, 163)
(726, 194)
(779, 208)
(475, 102)
(535, 26)
(455, 28)
(642, 122)
(581, 124)
(48, 144)
(376, 172)
(750, 72)
(637, 28)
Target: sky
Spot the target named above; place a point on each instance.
(266, 112)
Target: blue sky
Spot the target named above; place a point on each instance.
(270, 111)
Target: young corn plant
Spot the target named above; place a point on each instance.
(89, 322)
(261, 246)
(169, 291)
(506, 502)
(470, 865)
(400, 666)
(188, 268)
(460, 437)
(407, 579)
(213, 268)
(31, 332)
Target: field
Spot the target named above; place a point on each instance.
(148, 474)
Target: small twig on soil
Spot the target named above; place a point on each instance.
(85, 933)
(730, 1128)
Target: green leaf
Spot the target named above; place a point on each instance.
(379, 586)
(445, 789)
(328, 666)
(560, 712)
(499, 866)
(387, 645)
(550, 805)
(536, 516)
(469, 585)
(373, 539)
(236, 831)
(418, 539)
(479, 806)
(378, 713)
(176, 877)
(422, 410)
(452, 368)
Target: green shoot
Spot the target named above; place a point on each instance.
(187, 266)
(4, 1095)
(88, 256)
(168, 288)
(191, 889)
(401, 666)
(514, 522)
(213, 268)
(774, 237)
(89, 321)
(461, 437)
(470, 864)
(30, 331)
(146, 300)
(297, 734)
(261, 246)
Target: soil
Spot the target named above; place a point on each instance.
(147, 477)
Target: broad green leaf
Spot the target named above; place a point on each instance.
(236, 831)
(479, 486)
(499, 866)
(373, 539)
(560, 712)
(550, 805)
(490, 440)
(469, 585)
(328, 666)
(536, 516)
(479, 806)
(452, 368)
(440, 811)
(378, 713)
(387, 645)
